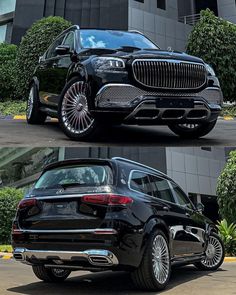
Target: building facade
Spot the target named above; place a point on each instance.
(166, 22)
(196, 170)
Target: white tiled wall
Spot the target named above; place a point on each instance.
(161, 26)
(194, 169)
(227, 9)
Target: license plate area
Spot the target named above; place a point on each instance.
(60, 208)
(174, 103)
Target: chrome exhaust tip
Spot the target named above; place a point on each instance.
(18, 254)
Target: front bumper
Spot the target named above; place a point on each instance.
(132, 105)
(113, 96)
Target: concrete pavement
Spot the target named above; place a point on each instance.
(18, 133)
(16, 278)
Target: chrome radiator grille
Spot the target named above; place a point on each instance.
(169, 74)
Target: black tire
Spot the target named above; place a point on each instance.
(65, 116)
(33, 114)
(144, 276)
(193, 133)
(50, 275)
(204, 264)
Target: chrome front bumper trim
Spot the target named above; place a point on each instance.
(128, 96)
(95, 257)
(169, 114)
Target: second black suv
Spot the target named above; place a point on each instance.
(112, 215)
(89, 78)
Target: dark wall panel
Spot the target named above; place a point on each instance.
(110, 14)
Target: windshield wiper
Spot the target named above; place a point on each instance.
(128, 48)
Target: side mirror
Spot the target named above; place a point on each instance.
(63, 49)
(41, 58)
(200, 207)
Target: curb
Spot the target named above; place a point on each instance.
(23, 118)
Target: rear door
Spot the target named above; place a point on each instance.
(174, 216)
(194, 223)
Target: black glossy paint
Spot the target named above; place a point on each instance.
(186, 229)
(53, 74)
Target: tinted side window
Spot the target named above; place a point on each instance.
(140, 182)
(183, 200)
(161, 189)
(70, 40)
(52, 49)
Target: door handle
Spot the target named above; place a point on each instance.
(187, 214)
(54, 65)
(165, 208)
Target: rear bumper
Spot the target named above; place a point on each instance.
(96, 257)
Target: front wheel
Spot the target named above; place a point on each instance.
(74, 111)
(50, 275)
(192, 131)
(214, 254)
(154, 271)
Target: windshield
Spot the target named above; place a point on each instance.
(114, 40)
(75, 176)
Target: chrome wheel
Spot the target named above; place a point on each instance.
(160, 259)
(60, 273)
(30, 103)
(214, 253)
(189, 126)
(75, 110)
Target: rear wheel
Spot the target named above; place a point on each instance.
(74, 111)
(33, 113)
(192, 131)
(154, 271)
(214, 254)
(50, 274)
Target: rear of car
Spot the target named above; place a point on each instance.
(75, 218)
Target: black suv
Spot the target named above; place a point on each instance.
(91, 78)
(115, 215)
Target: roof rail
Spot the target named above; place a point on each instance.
(138, 164)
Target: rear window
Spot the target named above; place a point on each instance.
(85, 176)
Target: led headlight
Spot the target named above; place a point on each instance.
(210, 70)
(108, 64)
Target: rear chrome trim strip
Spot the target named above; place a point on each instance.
(98, 231)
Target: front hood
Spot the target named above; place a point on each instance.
(150, 54)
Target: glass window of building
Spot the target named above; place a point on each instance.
(7, 6)
(3, 30)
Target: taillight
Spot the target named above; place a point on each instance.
(109, 199)
(27, 203)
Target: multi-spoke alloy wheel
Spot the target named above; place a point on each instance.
(214, 254)
(30, 103)
(74, 111)
(154, 271)
(33, 113)
(192, 130)
(50, 274)
(160, 259)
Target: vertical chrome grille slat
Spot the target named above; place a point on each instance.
(169, 74)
